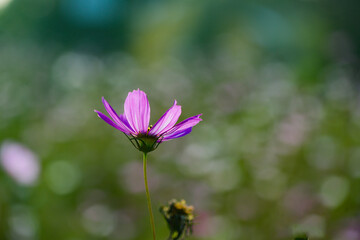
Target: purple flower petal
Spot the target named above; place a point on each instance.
(189, 122)
(179, 129)
(120, 121)
(137, 111)
(125, 121)
(177, 134)
(111, 123)
(167, 120)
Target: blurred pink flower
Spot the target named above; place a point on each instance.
(349, 229)
(299, 200)
(206, 225)
(293, 130)
(19, 162)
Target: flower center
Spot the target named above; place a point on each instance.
(146, 143)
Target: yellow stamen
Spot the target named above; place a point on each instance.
(149, 128)
(178, 205)
(189, 209)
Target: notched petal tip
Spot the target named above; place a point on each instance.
(103, 100)
(137, 110)
(112, 123)
(198, 116)
(167, 120)
(121, 123)
(97, 112)
(136, 91)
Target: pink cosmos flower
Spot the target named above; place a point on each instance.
(20, 163)
(135, 122)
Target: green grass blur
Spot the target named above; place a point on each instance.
(278, 152)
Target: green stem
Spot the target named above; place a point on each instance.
(148, 196)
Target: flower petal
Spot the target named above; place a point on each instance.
(111, 123)
(125, 121)
(119, 120)
(182, 127)
(177, 134)
(137, 111)
(167, 120)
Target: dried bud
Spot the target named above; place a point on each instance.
(179, 217)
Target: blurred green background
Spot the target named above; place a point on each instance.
(278, 152)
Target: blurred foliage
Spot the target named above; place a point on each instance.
(301, 237)
(278, 152)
